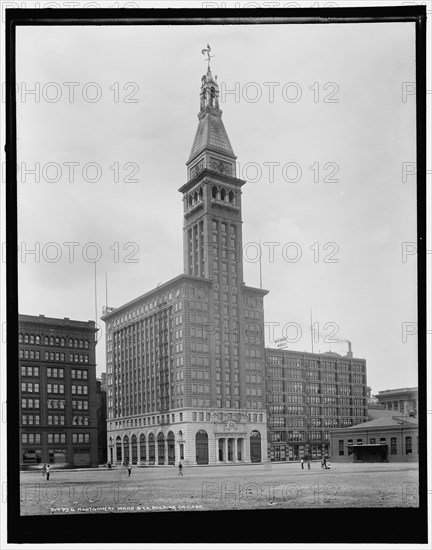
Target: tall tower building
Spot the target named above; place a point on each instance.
(185, 361)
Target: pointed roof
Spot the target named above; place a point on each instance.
(211, 134)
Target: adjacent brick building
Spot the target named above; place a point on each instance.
(309, 394)
(57, 392)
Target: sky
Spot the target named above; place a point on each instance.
(317, 118)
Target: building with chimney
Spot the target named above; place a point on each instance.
(57, 392)
(308, 395)
(186, 360)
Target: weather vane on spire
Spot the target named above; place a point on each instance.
(207, 51)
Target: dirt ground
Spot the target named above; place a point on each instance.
(155, 489)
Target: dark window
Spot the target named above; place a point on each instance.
(408, 445)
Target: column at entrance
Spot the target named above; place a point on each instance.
(235, 456)
(225, 449)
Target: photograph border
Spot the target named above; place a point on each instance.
(354, 525)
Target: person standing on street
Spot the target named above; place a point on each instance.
(129, 467)
(302, 463)
(47, 472)
(180, 469)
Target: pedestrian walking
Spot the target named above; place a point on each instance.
(302, 463)
(47, 472)
(129, 467)
(180, 469)
(309, 463)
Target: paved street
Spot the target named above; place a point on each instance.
(220, 488)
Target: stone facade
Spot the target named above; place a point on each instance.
(185, 361)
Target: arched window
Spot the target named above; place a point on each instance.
(26, 339)
(70, 343)
(46, 340)
(51, 340)
(126, 449)
(222, 194)
(118, 449)
(255, 446)
(161, 448)
(195, 197)
(86, 344)
(57, 341)
(31, 339)
(201, 447)
(171, 448)
(214, 192)
(200, 193)
(189, 201)
(231, 197)
(37, 339)
(372, 440)
(62, 342)
(142, 448)
(134, 450)
(152, 450)
(81, 343)
(75, 343)
(408, 445)
(20, 338)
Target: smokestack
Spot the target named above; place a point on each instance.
(349, 354)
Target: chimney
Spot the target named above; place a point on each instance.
(349, 354)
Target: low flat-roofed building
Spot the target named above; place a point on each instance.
(383, 439)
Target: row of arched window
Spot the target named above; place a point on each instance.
(52, 341)
(222, 194)
(194, 198)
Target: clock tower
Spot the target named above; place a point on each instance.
(212, 196)
(213, 248)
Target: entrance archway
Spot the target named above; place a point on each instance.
(201, 447)
(255, 446)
